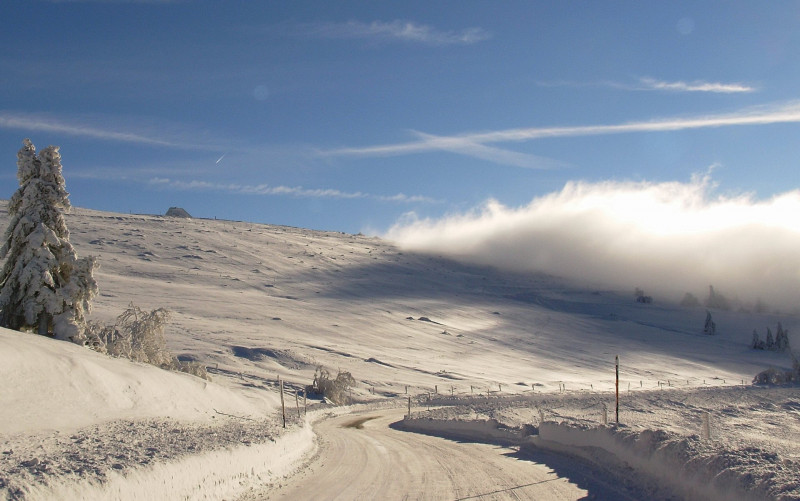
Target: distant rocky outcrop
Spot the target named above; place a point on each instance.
(178, 212)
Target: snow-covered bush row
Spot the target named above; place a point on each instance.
(219, 474)
(779, 343)
(773, 376)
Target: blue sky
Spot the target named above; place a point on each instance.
(352, 116)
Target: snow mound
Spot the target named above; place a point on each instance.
(55, 385)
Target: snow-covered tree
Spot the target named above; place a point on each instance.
(770, 344)
(757, 343)
(710, 327)
(716, 300)
(44, 285)
(781, 339)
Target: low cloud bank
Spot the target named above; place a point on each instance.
(667, 238)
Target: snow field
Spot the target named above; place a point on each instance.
(257, 302)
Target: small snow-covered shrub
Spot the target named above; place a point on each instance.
(774, 376)
(334, 390)
(139, 336)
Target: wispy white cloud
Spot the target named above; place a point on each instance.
(465, 146)
(37, 122)
(295, 191)
(762, 115)
(696, 86)
(668, 238)
(652, 84)
(398, 30)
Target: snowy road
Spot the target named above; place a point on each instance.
(361, 457)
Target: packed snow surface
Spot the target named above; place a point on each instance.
(257, 302)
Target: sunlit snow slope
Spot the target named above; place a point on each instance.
(257, 301)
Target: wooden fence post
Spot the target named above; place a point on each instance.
(616, 362)
(283, 404)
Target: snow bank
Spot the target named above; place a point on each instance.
(686, 466)
(56, 385)
(222, 474)
(487, 430)
(676, 463)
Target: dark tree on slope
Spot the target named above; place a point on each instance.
(716, 300)
(781, 339)
(710, 327)
(44, 286)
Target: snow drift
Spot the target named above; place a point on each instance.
(61, 386)
(686, 466)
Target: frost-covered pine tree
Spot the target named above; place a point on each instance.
(710, 327)
(781, 339)
(44, 285)
(757, 343)
(770, 343)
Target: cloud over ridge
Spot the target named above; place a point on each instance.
(668, 238)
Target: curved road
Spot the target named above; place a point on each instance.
(361, 458)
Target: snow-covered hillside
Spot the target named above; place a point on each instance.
(255, 302)
(272, 300)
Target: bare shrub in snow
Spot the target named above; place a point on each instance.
(334, 390)
(139, 336)
(44, 286)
